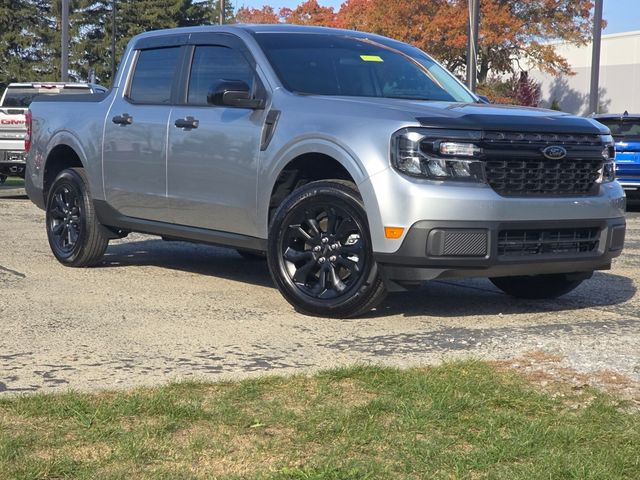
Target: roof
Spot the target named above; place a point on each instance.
(261, 28)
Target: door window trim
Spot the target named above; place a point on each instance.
(225, 40)
(175, 81)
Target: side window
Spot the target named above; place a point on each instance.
(153, 76)
(212, 64)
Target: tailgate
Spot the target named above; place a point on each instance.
(12, 128)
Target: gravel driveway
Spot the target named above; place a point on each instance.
(157, 311)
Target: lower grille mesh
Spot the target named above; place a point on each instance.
(514, 243)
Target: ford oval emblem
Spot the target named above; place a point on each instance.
(554, 152)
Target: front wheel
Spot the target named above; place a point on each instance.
(320, 254)
(75, 236)
(539, 286)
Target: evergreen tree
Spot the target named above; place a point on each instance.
(21, 50)
(30, 33)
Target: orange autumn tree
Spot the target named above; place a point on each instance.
(309, 12)
(265, 14)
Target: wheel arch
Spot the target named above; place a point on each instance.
(64, 151)
(303, 163)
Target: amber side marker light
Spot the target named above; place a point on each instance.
(393, 232)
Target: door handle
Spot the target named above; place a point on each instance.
(187, 123)
(124, 119)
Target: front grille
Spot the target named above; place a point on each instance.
(542, 139)
(543, 177)
(516, 166)
(558, 241)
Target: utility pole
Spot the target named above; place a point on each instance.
(113, 42)
(594, 94)
(472, 44)
(64, 28)
(221, 12)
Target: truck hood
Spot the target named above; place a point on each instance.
(474, 116)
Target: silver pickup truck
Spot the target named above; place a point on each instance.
(356, 163)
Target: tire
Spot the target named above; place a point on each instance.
(75, 236)
(3, 178)
(538, 287)
(319, 251)
(251, 256)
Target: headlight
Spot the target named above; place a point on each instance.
(608, 170)
(438, 154)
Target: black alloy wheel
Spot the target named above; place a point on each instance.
(320, 251)
(64, 218)
(76, 237)
(324, 250)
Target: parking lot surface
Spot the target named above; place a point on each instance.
(158, 311)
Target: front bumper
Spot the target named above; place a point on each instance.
(475, 251)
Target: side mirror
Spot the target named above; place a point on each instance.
(233, 93)
(484, 99)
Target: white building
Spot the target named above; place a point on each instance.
(619, 76)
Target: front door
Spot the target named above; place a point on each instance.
(135, 138)
(213, 150)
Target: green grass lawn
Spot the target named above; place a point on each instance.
(458, 420)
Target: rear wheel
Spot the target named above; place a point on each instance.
(539, 286)
(75, 236)
(320, 254)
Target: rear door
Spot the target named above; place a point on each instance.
(212, 167)
(135, 137)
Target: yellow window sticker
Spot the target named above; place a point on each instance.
(371, 58)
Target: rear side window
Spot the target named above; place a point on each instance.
(153, 75)
(212, 64)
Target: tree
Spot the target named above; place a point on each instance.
(265, 14)
(31, 31)
(526, 91)
(18, 21)
(309, 13)
(519, 89)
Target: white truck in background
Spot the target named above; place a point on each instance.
(13, 104)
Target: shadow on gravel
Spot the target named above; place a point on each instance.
(462, 298)
(189, 257)
(455, 298)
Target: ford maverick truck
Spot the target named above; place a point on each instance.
(355, 163)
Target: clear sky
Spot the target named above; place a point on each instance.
(621, 15)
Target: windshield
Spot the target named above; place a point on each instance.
(331, 64)
(21, 97)
(625, 128)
